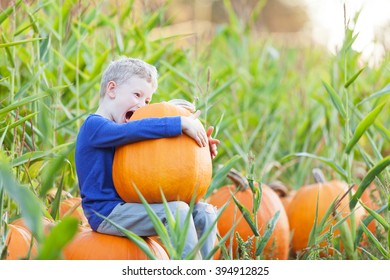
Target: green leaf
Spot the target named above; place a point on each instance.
(353, 78)
(19, 103)
(18, 122)
(53, 169)
(31, 156)
(363, 126)
(377, 217)
(21, 42)
(327, 161)
(372, 173)
(158, 225)
(30, 206)
(59, 236)
(366, 221)
(336, 99)
(375, 241)
(380, 93)
(7, 12)
(247, 215)
(267, 234)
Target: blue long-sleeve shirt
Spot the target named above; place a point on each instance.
(94, 154)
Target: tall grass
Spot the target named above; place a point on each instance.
(290, 109)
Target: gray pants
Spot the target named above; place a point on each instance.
(133, 217)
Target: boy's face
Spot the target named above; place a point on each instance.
(128, 97)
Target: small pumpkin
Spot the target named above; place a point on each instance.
(302, 209)
(91, 245)
(177, 166)
(278, 244)
(19, 244)
(46, 222)
(72, 207)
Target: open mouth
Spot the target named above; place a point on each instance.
(128, 115)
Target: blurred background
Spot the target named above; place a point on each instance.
(296, 22)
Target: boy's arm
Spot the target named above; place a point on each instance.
(103, 133)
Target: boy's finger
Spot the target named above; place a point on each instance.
(210, 131)
(196, 114)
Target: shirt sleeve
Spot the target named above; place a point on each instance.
(104, 133)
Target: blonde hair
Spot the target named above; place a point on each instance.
(125, 68)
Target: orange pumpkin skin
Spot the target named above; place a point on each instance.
(46, 222)
(278, 245)
(302, 210)
(176, 165)
(19, 241)
(91, 245)
(286, 200)
(72, 206)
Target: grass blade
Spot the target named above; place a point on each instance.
(21, 42)
(366, 221)
(372, 173)
(31, 207)
(59, 236)
(375, 241)
(363, 126)
(247, 215)
(7, 12)
(377, 217)
(336, 100)
(327, 161)
(353, 78)
(380, 93)
(267, 235)
(19, 103)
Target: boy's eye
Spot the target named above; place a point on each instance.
(137, 94)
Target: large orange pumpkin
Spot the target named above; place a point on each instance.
(91, 245)
(175, 165)
(278, 244)
(302, 209)
(19, 244)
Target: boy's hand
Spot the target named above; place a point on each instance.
(194, 129)
(212, 142)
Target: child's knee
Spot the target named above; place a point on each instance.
(206, 209)
(180, 206)
(204, 214)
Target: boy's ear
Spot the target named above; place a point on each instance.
(110, 89)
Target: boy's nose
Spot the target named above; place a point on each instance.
(141, 103)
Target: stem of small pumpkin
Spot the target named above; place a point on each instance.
(240, 181)
(279, 188)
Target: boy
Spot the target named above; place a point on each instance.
(128, 84)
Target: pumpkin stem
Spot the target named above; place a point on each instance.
(318, 175)
(279, 188)
(240, 181)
